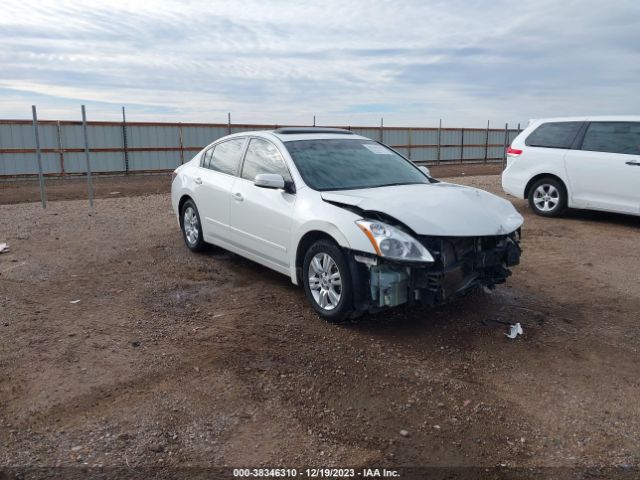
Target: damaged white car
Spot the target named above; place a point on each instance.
(358, 225)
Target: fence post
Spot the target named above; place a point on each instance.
(86, 153)
(461, 145)
(43, 193)
(228, 123)
(381, 130)
(486, 143)
(439, 141)
(125, 146)
(60, 150)
(409, 131)
(314, 120)
(181, 140)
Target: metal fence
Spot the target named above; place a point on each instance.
(143, 147)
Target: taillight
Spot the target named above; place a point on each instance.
(174, 174)
(513, 152)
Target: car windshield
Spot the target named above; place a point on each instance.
(337, 164)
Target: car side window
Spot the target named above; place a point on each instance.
(225, 156)
(613, 137)
(206, 158)
(263, 157)
(554, 135)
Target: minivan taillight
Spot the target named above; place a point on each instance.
(174, 174)
(513, 152)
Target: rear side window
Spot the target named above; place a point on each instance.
(263, 157)
(226, 156)
(554, 135)
(206, 158)
(613, 137)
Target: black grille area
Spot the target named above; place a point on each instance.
(453, 251)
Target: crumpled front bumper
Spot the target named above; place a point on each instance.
(461, 265)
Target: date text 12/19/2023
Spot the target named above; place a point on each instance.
(315, 473)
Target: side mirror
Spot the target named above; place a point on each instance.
(425, 170)
(269, 180)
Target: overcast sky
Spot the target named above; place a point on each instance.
(348, 62)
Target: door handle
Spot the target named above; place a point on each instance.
(198, 180)
(238, 196)
(631, 162)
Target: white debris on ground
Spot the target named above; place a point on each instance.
(514, 331)
(4, 248)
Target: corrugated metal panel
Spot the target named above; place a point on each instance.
(473, 153)
(16, 136)
(396, 137)
(424, 137)
(100, 162)
(201, 136)
(154, 160)
(422, 154)
(451, 137)
(25, 164)
(475, 137)
(495, 152)
(449, 153)
(153, 136)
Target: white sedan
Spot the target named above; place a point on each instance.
(358, 225)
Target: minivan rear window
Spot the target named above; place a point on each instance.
(554, 135)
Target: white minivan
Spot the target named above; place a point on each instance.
(579, 162)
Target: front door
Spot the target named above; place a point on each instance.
(261, 217)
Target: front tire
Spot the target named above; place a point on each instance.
(191, 227)
(327, 281)
(548, 197)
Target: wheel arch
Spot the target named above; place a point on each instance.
(540, 176)
(181, 202)
(306, 240)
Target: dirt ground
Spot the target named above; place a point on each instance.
(72, 188)
(119, 347)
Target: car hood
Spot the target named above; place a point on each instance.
(442, 209)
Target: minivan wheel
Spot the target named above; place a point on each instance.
(327, 281)
(547, 197)
(191, 227)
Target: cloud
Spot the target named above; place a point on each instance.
(350, 62)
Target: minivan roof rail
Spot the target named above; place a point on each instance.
(304, 130)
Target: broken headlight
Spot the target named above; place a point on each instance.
(391, 242)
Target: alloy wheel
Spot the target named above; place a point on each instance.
(191, 227)
(325, 281)
(546, 197)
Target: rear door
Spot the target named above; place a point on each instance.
(261, 217)
(214, 179)
(604, 173)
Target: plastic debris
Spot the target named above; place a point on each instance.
(514, 331)
(4, 248)
(114, 193)
(74, 301)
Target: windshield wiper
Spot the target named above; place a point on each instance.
(398, 183)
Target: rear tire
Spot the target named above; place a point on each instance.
(548, 197)
(191, 227)
(327, 281)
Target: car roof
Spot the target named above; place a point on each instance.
(592, 118)
(300, 133)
